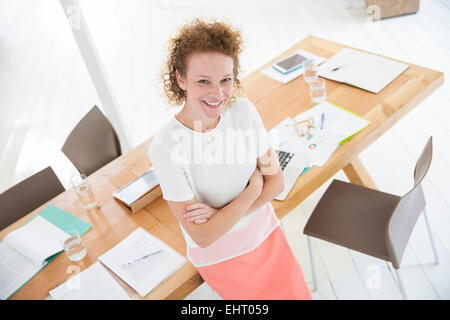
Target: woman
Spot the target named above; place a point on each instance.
(218, 171)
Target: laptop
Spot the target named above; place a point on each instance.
(292, 165)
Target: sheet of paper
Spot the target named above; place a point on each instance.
(143, 275)
(137, 188)
(94, 283)
(37, 240)
(15, 270)
(285, 78)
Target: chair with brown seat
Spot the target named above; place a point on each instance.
(369, 221)
(27, 195)
(92, 143)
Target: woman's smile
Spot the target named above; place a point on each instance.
(212, 104)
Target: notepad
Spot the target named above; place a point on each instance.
(363, 70)
(145, 274)
(94, 283)
(28, 249)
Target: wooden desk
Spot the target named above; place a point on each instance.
(274, 101)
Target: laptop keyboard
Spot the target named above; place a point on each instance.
(284, 158)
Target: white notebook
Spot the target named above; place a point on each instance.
(23, 253)
(363, 70)
(94, 283)
(145, 274)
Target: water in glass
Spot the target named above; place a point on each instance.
(74, 248)
(86, 196)
(318, 90)
(310, 72)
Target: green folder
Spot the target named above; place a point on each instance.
(351, 136)
(63, 220)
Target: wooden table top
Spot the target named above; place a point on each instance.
(275, 101)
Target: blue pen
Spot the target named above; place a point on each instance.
(322, 120)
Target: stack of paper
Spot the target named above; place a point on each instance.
(321, 141)
(142, 274)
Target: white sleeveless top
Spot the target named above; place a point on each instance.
(215, 167)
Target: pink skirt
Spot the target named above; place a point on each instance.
(269, 272)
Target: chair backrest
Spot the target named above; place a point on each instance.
(92, 143)
(405, 215)
(27, 195)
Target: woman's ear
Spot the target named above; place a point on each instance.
(181, 81)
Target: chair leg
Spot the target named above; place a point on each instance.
(433, 245)
(313, 268)
(400, 284)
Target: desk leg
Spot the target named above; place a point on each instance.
(357, 174)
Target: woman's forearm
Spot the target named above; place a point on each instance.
(226, 217)
(271, 188)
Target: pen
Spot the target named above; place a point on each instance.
(140, 258)
(339, 67)
(322, 120)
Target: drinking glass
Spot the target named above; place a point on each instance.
(317, 90)
(310, 74)
(84, 191)
(74, 246)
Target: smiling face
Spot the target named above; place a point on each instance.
(208, 84)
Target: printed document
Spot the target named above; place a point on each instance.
(143, 275)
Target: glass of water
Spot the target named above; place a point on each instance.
(74, 246)
(318, 90)
(84, 191)
(310, 74)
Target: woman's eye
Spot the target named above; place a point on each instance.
(226, 80)
(203, 81)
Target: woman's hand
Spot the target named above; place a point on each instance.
(199, 212)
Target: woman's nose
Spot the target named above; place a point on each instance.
(217, 91)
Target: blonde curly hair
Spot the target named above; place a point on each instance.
(199, 35)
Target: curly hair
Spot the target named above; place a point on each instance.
(199, 35)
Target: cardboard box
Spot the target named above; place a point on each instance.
(393, 8)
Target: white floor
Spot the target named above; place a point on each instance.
(45, 90)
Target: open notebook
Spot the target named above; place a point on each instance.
(23, 253)
(28, 249)
(363, 70)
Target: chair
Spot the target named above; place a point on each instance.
(92, 143)
(27, 195)
(370, 221)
